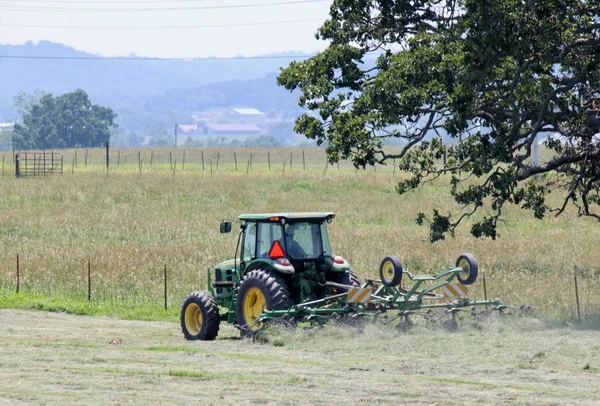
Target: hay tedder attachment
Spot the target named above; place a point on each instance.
(384, 300)
(285, 271)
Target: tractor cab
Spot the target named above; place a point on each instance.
(289, 243)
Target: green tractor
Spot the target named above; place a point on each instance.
(281, 260)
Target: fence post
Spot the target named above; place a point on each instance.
(202, 154)
(577, 297)
(165, 285)
(183, 162)
(303, 162)
(151, 157)
(18, 275)
(89, 278)
(218, 155)
(107, 156)
(291, 160)
(485, 292)
(86, 157)
(235, 161)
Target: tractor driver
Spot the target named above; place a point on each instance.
(293, 248)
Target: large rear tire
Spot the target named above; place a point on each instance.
(260, 290)
(200, 317)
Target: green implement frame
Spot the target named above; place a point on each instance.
(382, 299)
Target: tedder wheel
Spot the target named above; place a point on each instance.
(390, 271)
(200, 317)
(260, 290)
(470, 268)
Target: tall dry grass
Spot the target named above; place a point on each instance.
(131, 224)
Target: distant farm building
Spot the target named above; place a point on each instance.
(237, 130)
(198, 132)
(230, 116)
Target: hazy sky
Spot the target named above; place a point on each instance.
(29, 23)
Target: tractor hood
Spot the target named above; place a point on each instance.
(229, 264)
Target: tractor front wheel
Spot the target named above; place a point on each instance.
(200, 317)
(468, 263)
(260, 290)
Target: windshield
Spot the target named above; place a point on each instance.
(305, 240)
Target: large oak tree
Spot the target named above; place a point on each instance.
(496, 74)
(65, 121)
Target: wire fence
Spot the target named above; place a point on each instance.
(166, 287)
(210, 161)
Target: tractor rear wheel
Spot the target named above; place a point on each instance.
(260, 290)
(200, 316)
(390, 271)
(468, 263)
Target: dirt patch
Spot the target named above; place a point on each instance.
(50, 358)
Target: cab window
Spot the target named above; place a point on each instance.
(249, 246)
(267, 233)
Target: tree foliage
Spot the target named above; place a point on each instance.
(498, 75)
(67, 121)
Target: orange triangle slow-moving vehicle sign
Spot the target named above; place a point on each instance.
(276, 251)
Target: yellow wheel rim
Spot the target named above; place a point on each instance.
(388, 271)
(464, 264)
(254, 303)
(193, 319)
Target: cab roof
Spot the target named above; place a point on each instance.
(287, 216)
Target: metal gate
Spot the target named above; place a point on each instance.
(38, 163)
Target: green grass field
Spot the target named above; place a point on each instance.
(130, 223)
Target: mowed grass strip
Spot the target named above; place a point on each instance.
(128, 360)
